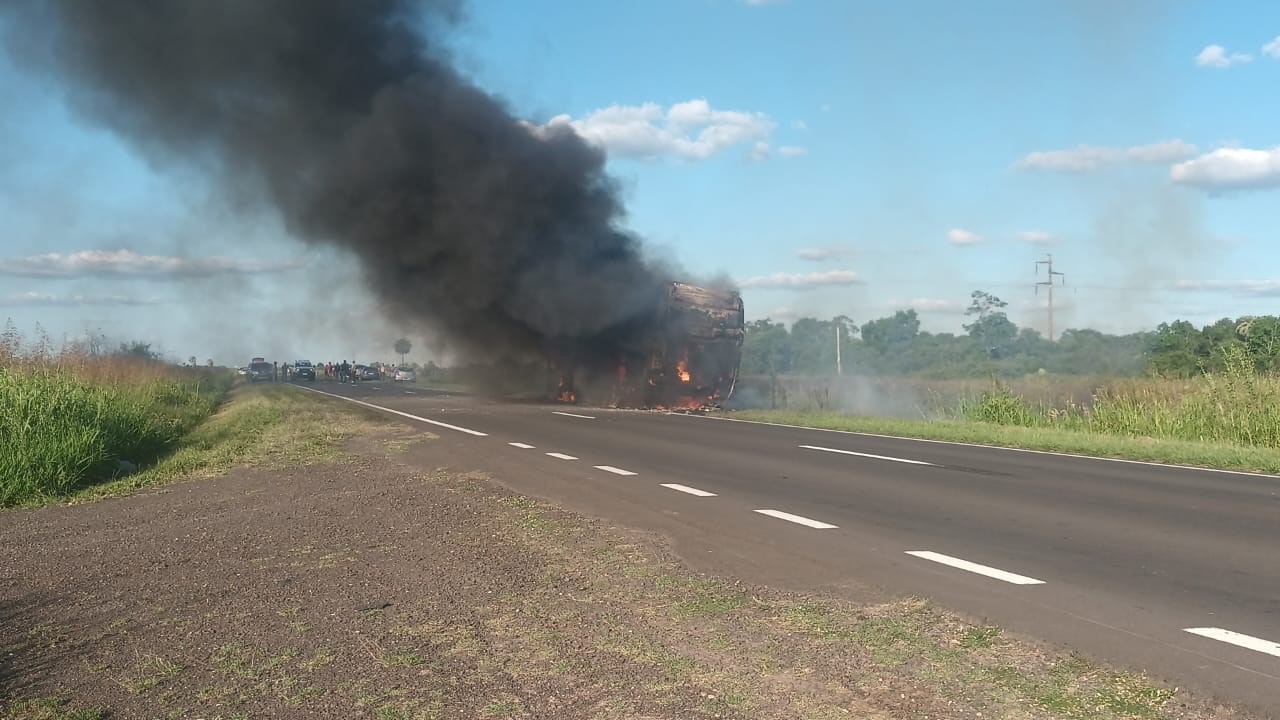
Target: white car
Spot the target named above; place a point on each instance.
(405, 374)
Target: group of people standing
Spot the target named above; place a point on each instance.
(340, 372)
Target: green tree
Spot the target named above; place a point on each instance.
(1262, 340)
(403, 346)
(137, 349)
(766, 350)
(991, 328)
(1176, 349)
(892, 334)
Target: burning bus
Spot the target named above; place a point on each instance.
(687, 356)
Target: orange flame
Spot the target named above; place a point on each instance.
(683, 372)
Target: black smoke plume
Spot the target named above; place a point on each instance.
(349, 118)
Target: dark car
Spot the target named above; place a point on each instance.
(303, 370)
(367, 372)
(261, 371)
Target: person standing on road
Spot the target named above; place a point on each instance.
(275, 371)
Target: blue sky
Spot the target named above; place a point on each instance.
(833, 157)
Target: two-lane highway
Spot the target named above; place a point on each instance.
(1171, 570)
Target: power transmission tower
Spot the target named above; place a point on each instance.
(1048, 282)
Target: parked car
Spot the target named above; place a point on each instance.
(261, 371)
(303, 370)
(405, 373)
(367, 372)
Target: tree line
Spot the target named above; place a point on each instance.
(993, 345)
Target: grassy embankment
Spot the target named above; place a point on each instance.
(1227, 420)
(72, 421)
(79, 426)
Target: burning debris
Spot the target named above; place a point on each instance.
(348, 119)
(686, 358)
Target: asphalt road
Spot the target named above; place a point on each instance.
(1173, 571)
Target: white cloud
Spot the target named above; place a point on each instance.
(1215, 56)
(1037, 237)
(802, 281)
(1251, 288)
(35, 298)
(1088, 158)
(1272, 48)
(1230, 168)
(789, 151)
(816, 254)
(800, 125)
(126, 263)
(760, 151)
(956, 236)
(690, 130)
(934, 305)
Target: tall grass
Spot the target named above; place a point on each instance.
(1237, 406)
(70, 420)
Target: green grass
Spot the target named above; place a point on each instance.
(1228, 419)
(271, 424)
(48, 709)
(1051, 439)
(63, 432)
(1237, 406)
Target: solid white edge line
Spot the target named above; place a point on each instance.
(522, 446)
(989, 447)
(614, 470)
(1238, 639)
(437, 423)
(687, 489)
(561, 456)
(584, 417)
(816, 524)
(868, 455)
(974, 567)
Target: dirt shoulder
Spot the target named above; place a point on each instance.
(365, 588)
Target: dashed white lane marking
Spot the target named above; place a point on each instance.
(1239, 639)
(522, 446)
(614, 470)
(584, 417)
(437, 423)
(562, 456)
(797, 519)
(868, 455)
(410, 392)
(687, 489)
(973, 567)
(375, 387)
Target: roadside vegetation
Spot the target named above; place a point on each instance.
(74, 419)
(1179, 394)
(260, 425)
(1228, 418)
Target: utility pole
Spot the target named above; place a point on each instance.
(839, 368)
(1048, 282)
